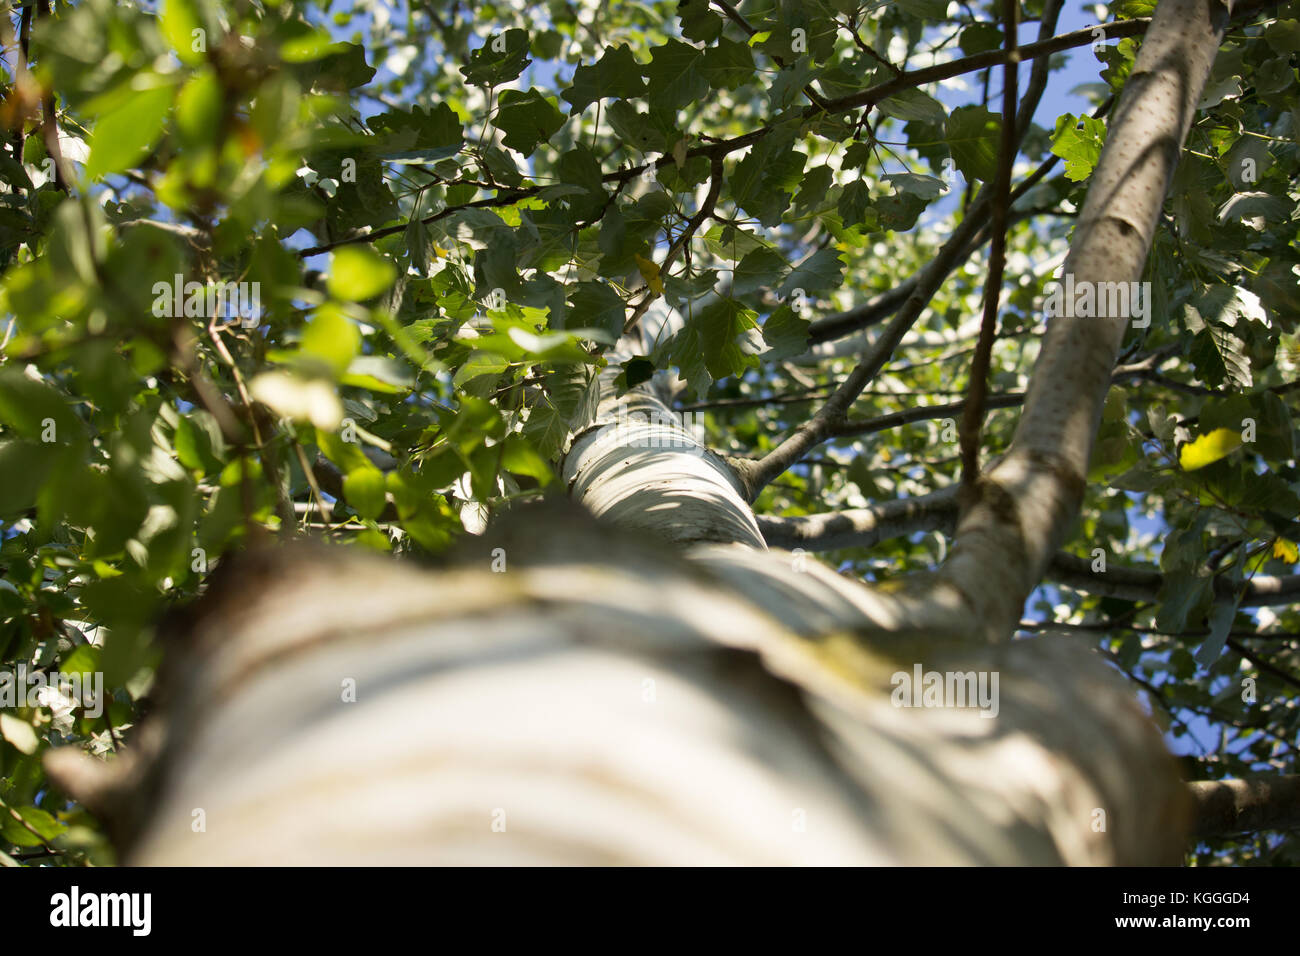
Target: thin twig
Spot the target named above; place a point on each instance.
(687, 233)
(972, 419)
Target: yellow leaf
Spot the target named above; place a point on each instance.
(1209, 448)
(1286, 550)
(650, 272)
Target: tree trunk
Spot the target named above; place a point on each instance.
(664, 689)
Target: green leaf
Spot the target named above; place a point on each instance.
(344, 68)
(596, 305)
(719, 325)
(687, 353)
(194, 445)
(358, 273)
(973, 134)
(786, 334)
(1182, 594)
(763, 180)
(1127, 9)
(125, 135)
(1254, 209)
(853, 204)
(479, 364)
(379, 374)
(526, 119)
(303, 400)
(1220, 620)
(674, 75)
(25, 466)
(732, 242)
(760, 270)
(85, 660)
(788, 85)
(727, 64)
(1078, 141)
(426, 135)
(1219, 356)
(924, 9)
(913, 104)
(332, 338)
(822, 270)
(364, 490)
(520, 457)
(816, 185)
(635, 371)
(501, 59)
(1224, 304)
(636, 130)
(35, 409)
(306, 46)
(580, 168)
(1273, 427)
(979, 37)
(45, 826)
(816, 21)
(179, 22)
(1270, 496)
(899, 211)
(699, 22)
(616, 74)
(198, 110)
(546, 428)
(1283, 36)
(496, 267)
(921, 186)
(1218, 90)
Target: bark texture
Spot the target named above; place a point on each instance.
(1244, 806)
(638, 467)
(607, 701)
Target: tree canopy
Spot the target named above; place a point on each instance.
(276, 269)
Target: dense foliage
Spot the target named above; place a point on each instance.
(444, 216)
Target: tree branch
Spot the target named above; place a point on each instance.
(1144, 584)
(922, 413)
(1028, 501)
(734, 16)
(1225, 807)
(862, 527)
(701, 216)
(972, 420)
(937, 511)
(812, 432)
(756, 475)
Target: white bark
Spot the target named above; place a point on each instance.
(863, 527)
(637, 466)
(522, 697)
